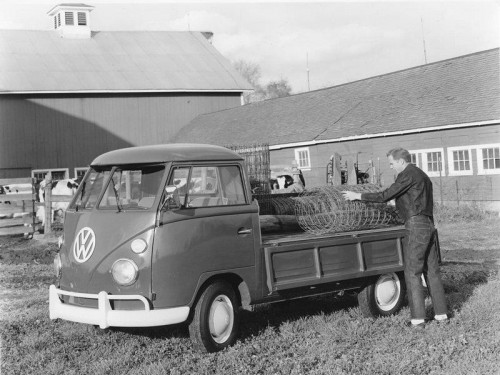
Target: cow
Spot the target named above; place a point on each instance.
(62, 187)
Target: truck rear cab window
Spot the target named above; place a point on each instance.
(209, 186)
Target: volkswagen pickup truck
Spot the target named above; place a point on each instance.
(166, 234)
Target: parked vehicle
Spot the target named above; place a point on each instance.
(159, 235)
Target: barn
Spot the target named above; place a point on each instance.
(69, 93)
(447, 114)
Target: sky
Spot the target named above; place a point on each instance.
(310, 44)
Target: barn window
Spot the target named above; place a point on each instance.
(55, 22)
(57, 174)
(82, 19)
(431, 161)
(59, 19)
(302, 157)
(80, 172)
(414, 158)
(68, 18)
(459, 161)
(488, 159)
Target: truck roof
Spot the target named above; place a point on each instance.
(165, 153)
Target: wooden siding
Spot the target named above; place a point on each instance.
(448, 188)
(42, 132)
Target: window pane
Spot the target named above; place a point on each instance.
(204, 189)
(232, 185)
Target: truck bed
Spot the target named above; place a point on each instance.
(299, 259)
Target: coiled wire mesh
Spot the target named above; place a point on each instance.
(324, 210)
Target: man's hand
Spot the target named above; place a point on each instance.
(351, 195)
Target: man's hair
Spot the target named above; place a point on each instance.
(400, 153)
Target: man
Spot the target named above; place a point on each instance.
(414, 202)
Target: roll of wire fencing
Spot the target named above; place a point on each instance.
(324, 210)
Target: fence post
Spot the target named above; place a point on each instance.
(458, 197)
(33, 205)
(48, 203)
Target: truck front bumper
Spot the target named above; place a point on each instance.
(104, 316)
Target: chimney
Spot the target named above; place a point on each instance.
(72, 20)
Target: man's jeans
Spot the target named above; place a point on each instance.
(421, 257)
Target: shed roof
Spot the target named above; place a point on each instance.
(111, 61)
(165, 153)
(456, 91)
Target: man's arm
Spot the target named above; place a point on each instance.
(396, 189)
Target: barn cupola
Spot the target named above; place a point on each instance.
(72, 20)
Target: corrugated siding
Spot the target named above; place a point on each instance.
(471, 188)
(58, 132)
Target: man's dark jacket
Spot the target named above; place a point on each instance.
(412, 190)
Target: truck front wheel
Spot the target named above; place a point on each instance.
(384, 296)
(215, 321)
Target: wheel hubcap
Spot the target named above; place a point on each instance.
(387, 291)
(221, 318)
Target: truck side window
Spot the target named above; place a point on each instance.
(211, 186)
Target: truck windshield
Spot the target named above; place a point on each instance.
(129, 188)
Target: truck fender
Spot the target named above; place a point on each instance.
(239, 285)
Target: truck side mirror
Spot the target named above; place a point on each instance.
(172, 200)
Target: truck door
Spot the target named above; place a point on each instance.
(213, 231)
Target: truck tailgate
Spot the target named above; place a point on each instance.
(304, 260)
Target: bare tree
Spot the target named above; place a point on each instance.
(252, 73)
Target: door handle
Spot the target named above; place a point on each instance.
(244, 231)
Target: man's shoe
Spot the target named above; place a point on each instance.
(415, 326)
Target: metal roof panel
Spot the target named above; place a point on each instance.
(176, 60)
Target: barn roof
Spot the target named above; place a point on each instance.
(113, 61)
(461, 90)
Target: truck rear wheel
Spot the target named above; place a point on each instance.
(216, 318)
(383, 297)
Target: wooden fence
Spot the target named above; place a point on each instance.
(18, 207)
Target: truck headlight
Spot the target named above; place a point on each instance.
(57, 265)
(124, 271)
(138, 245)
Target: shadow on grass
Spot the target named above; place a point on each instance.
(275, 314)
(263, 317)
(460, 279)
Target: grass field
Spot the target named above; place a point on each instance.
(326, 335)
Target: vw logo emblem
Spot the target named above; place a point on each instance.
(84, 245)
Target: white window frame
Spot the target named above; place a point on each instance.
(65, 170)
(80, 169)
(479, 157)
(423, 156)
(451, 161)
(306, 167)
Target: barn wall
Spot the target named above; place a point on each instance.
(475, 188)
(39, 132)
